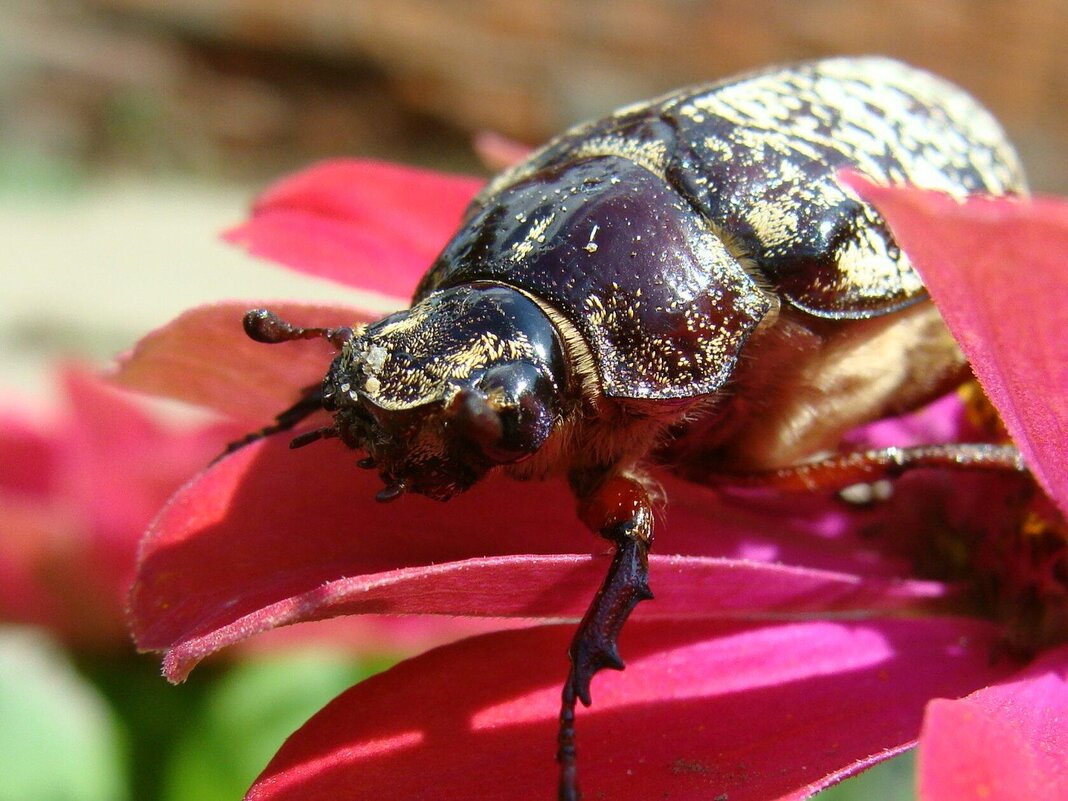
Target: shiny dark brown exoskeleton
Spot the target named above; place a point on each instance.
(686, 283)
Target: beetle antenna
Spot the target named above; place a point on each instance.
(308, 437)
(263, 325)
(311, 401)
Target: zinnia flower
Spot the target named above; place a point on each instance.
(794, 640)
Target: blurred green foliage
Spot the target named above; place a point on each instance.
(265, 701)
(892, 780)
(59, 741)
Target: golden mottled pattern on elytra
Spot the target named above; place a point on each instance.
(414, 357)
(649, 154)
(758, 155)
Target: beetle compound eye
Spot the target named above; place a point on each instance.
(524, 400)
(475, 419)
(508, 415)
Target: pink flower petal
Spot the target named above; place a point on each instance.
(28, 456)
(704, 710)
(944, 420)
(998, 271)
(377, 635)
(67, 555)
(40, 546)
(548, 586)
(270, 536)
(122, 462)
(1002, 743)
(368, 224)
(204, 358)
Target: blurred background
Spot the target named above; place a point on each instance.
(132, 131)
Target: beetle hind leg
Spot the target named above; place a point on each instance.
(620, 510)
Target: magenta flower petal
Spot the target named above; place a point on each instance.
(998, 271)
(552, 586)
(367, 224)
(68, 540)
(203, 357)
(121, 462)
(944, 420)
(1002, 743)
(704, 710)
(260, 541)
(28, 455)
(378, 635)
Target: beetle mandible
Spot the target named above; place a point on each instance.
(591, 314)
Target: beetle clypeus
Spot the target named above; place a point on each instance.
(590, 316)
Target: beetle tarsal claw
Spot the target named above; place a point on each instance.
(595, 644)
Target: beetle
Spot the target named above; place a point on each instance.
(684, 283)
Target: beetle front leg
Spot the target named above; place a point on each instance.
(619, 509)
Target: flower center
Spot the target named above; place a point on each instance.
(1022, 576)
(1008, 543)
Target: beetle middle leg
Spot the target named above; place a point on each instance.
(620, 510)
(845, 469)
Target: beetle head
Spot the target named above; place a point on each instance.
(467, 379)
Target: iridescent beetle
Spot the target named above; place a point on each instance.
(686, 283)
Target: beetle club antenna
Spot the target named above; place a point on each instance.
(263, 325)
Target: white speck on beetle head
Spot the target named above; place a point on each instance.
(375, 359)
(372, 385)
